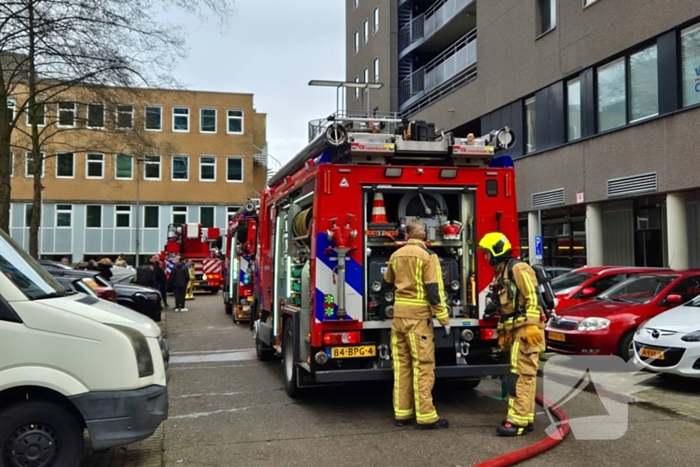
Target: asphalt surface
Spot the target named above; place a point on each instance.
(228, 409)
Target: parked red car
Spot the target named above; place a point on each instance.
(605, 325)
(584, 283)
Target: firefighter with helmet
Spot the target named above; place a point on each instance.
(520, 330)
(419, 295)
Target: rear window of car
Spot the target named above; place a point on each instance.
(568, 281)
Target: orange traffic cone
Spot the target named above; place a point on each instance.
(378, 211)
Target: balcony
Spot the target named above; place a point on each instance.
(439, 26)
(453, 68)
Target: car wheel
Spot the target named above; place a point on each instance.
(288, 364)
(41, 434)
(625, 348)
(228, 308)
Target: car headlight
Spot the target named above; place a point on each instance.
(593, 324)
(691, 337)
(204, 277)
(144, 360)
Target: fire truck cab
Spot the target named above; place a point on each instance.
(238, 274)
(331, 218)
(200, 244)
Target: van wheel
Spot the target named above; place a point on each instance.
(625, 348)
(288, 364)
(228, 309)
(39, 434)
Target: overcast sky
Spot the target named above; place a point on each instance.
(272, 48)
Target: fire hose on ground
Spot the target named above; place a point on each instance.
(539, 447)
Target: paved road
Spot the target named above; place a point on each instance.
(228, 409)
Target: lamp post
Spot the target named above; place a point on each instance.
(138, 206)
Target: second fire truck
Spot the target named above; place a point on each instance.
(241, 246)
(201, 245)
(331, 218)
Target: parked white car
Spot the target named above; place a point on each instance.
(670, 342)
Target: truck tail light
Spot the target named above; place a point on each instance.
(509, 185)
(107, 294)
(488, 333)
(331, 338)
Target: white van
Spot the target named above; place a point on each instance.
(70, 361)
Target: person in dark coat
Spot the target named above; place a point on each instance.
(145, 276)
(159, 274)
(179, 277)
(105, 268)
(92, 266)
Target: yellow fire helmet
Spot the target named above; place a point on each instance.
(495, 243)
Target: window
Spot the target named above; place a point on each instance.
(125, 117)
(207, 120)
(150, 217)
(64, 165)
(93, 217)
(644, 84)
(179, 215)
(154, 118)
(96, 116)
(376, 70)
(40, 115)
(365, 75)
(123, 217)
(12, 164)
(588, 2)
(690, 59)
(573, 104)
(375, 20)
(365, 30)
(234, 169)
(10, 109)
(235, 122)
(95, 166)
(29, 164)
(66, 114)
(181, 119)
(355, 3)
(356, 43)
(206, 216)
(546, 11)
(230, 211)
(356, 91)
(64, 212)
(151, 168)
(28, 210)
(612, 98)
(181, 170)
(124, 167)
(207, 169)
(530, 125)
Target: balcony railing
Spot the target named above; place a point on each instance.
(423, 26)
(459, 59)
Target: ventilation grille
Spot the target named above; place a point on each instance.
(88, 300)
(643, 183)
(548, 198)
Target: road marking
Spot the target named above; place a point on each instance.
(218, 367)
(237, 409)
(202, 352)
(215, 357)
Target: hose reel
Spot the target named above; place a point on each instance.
(300, 225)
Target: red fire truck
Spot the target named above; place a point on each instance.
(200, 244)
(331, 218)
(241, 245)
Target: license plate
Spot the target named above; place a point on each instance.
(196, 284)
(652, 353)
(353, 352)
(557, 336)
(250, 299)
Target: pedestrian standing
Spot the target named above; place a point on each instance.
(415, 272)
(105, 268)
(92, 266)
(145, 276)
(179, 277)
(160, 280)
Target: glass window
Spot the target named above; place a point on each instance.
(235, 122)
(181, 168)
(566, 282)
(125, 117)
(124, 166)
(95, 116)
(546, 15)
(638, 289)
(207, 169)
(357, 42)
(231, 210)
(207, 120)
(11, 109)
(123, 216)
(365, 30)
(93, 218)
(151, 168)
(40, 115)
(356, 91)
(234, 169)
(28, 210)
(376, 70)
(690, 58)
(12, 164)
(95, 166)
(29, 164)
(63, 215)
(181, 119)
(150, 217)
(354, 4)
(531, 128)
(154, 118)
(573, 104)
(612, 98)
(644, 84)
(66, 114)
(179, 215)
(375, 20)
(206, 216)
(64, 165)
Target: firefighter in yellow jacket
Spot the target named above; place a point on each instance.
(520, 330)
(419, 296)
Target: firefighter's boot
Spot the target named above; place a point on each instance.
(506, 428)
(190, 292)
(441, 423)
(401, 422)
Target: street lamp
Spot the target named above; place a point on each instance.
(138, 205)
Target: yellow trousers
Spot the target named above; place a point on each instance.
(189, 291)
(413, 354)
(524, 361)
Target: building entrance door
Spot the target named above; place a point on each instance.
(648, 238)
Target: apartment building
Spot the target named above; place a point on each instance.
(603, 96)
(119, 172)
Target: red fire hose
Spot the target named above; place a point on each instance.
(539, 447)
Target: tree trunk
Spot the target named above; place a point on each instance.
(36, 147)
(5, 159)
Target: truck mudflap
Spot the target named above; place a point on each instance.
(378, 374)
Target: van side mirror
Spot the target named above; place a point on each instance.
(588, 292)
(674, 299)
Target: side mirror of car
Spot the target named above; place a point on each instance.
(674, 299)
(588, 292)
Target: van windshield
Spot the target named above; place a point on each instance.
(25, 272)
